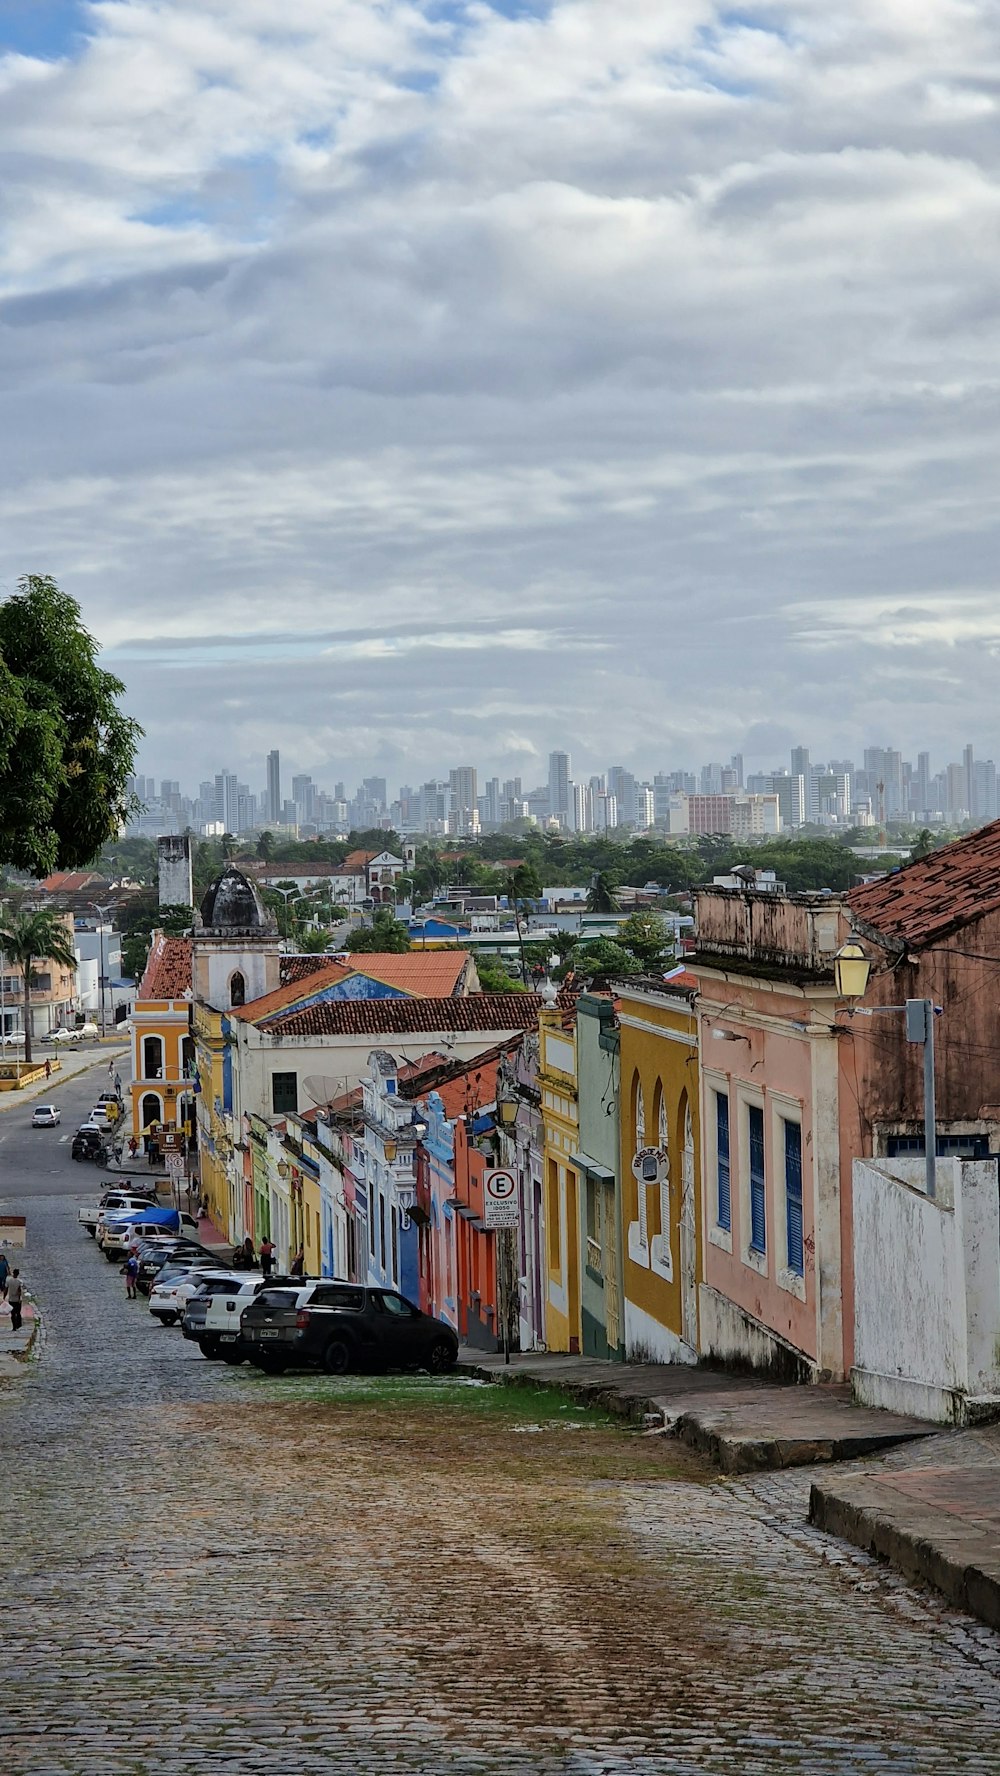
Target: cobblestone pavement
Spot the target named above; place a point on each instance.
(203, 1569)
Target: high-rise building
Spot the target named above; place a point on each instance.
(273, 786)
(227, 792)
(560, 772)
(463, 814)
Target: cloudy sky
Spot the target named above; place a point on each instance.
(411, 382)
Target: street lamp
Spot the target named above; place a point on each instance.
(851, 968)
(101, 914)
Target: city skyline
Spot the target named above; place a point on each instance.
(883, 787)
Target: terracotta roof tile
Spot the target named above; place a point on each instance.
(385, 1018)
(292, 990)
(939, 894)
(168, 970)
(433, 973)
(297, 968)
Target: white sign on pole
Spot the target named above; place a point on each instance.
(501, 1197)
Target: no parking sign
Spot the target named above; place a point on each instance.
(501, 1197)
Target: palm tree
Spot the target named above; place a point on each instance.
(35, 937)
(601, 898)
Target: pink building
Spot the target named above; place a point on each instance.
(777, 1265)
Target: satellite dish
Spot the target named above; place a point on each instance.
(320, 1090)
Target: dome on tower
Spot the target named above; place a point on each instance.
(232, 903)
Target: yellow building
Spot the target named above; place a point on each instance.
(662, 1217)
(162, 1084)
(557, 1079)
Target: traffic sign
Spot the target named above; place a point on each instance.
(501, 1197)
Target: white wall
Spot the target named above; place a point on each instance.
(926, 1287)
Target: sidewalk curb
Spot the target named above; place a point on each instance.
(732, 1453)
(962, 1562)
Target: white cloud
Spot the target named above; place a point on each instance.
(658, 341)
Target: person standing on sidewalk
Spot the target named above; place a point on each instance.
(4, 1274)
(15, 1298)
(266, 1257)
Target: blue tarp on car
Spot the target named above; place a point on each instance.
(168, 1219)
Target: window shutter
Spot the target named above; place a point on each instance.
(758, 1217)
(793, 1197)
(724, 1206)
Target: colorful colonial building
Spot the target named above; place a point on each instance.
(658, 1029)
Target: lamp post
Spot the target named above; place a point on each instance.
(101, 913)
(852, 968)
(507, 1243)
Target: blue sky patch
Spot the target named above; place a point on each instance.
(49, 29)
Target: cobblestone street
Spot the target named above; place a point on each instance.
(205, 1569)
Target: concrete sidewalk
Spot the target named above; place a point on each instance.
(933, 1512)
(16, 1347)
(66, 1065)
(744, 1424)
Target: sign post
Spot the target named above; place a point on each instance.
(502, 1212)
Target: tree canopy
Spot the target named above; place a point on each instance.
(385, 933)
(66, 749)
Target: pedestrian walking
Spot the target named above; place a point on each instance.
(133, 1146)
(118, 1085)
(266, 1257)
(4, 1274)
(15, 1298)
(298, 1266)
(48, 1068)
(131, 1269)
(245, 1258)
(111, 1069)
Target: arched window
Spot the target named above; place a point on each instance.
(152, 1057)
(663, 1141)
(152, 1110)
(639, 1119)
(237, 989)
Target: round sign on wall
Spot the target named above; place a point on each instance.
(651, 1165)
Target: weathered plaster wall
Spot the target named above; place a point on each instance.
(927, 1286)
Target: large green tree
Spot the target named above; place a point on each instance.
(66, 749)
(28, 938)
(384, 933)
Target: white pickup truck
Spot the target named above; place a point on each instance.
(113, 1200)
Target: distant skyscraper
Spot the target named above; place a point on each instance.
(273, 786)
(560, 771)
(464, 812)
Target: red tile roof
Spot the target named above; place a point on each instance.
(168, 970)
(296, 968)
(385, 1018)
(291, 991)
(937, 895)
(470, 1089)
(430, 974)
(70, 881)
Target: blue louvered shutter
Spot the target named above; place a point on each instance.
(758, 1217)
(724, 1206)
(793, 1196)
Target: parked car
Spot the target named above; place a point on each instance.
(343, 1326)
(112, 1201)
(173, 1288)
(155, 1253)
(44, 1116)
(212, 1314)
(60, 1035)
(117, 1229)
(13, 1038)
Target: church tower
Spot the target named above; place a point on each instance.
(236, 944)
